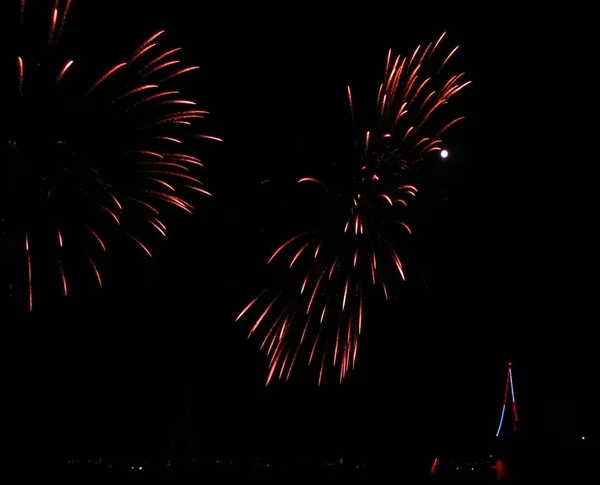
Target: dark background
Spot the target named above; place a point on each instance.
(112, 373)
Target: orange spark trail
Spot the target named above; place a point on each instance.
(29, 281)
(363, 241)
(138, 148)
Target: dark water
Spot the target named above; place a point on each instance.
(514, 462)
(145, 472)
(262, 475)
(84, 472)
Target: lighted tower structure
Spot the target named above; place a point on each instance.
(509, 387)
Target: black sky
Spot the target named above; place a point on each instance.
(111, 373)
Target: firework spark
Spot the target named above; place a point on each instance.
(86, 164)
(359, 252)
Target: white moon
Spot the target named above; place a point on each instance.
(444, 153)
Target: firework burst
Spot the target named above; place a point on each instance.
(358, 249)
(86, 164)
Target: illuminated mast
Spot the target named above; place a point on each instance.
(509, 384)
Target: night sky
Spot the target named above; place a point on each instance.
(111, 372)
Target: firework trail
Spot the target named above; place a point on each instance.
(333, 268)
(86, 164)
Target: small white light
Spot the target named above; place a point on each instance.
(444, 153)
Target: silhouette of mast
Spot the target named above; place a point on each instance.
(182, 447)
